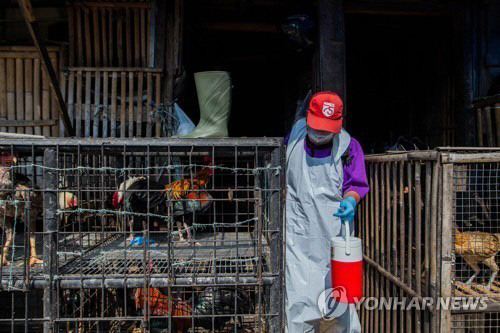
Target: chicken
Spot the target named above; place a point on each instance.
(188, 197)
(478, 247)
(16, 190)
(185, 194)
(133, 196)
(207, 308)
(181, 187)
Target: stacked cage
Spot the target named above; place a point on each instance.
(149, 236)
(431, 235)
(475, 187)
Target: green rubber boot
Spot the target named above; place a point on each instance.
(214, 98)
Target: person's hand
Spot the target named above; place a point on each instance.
(347, 209)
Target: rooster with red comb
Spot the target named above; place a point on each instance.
(141, 195)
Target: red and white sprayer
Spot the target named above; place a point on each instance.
(347, 266)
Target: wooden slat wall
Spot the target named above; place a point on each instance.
(112, 102)
(108, 33)
(397, 222)
(27, 104)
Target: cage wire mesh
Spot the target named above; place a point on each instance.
(147, 236)
(483, 322)
(476, 224)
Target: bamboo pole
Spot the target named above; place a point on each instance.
(28, 90)
(19, 93)
(418, 239)
(97, 104)
(140, 93)
(376, 231)
(45, 103)
(78, 118)
(114, 84)
(131, 103)
(388, 238)
(105, 114)
(88, 102)
(36, 95)
(62, 87)
(11, 91)
(394, 238)
(3, 93)
(433, 245)
(157, 103)
(71, 97)
(427, 239)
(402, 233)
(149, 92)
(123, 105)
(53, 102)
(382, 224)
(409, 174)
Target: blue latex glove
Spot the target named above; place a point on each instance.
(140, 241)
(347, 209)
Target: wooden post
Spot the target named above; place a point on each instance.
(446, 244)
(27, 12)
(331, 49)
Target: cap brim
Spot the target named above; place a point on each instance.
(324, 124)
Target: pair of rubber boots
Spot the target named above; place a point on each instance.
(214, 98)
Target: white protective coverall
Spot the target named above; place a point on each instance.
(314, 192)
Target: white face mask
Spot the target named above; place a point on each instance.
(319, 137)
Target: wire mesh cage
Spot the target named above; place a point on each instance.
(477, 229)
(136, 232)
(483, 322)
(431, 231)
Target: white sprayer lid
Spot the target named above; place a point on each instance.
(340, 242)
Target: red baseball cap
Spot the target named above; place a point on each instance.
(325, 112)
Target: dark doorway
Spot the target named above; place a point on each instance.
(399, 79)
(269, 73)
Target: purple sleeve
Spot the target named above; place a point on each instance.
(355, 174)
(285, 140)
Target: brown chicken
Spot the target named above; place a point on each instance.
(478, 247)
(15, 191)
(159, 305)
(133, 196)
(182, 189)
(211, 309)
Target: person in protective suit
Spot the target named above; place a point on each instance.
(326, 179)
